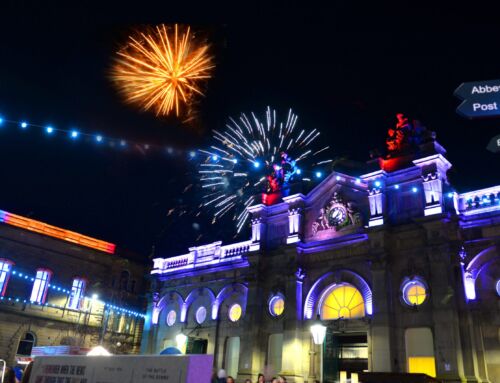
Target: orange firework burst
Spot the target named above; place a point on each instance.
(161, 70)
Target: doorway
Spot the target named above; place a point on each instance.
(344, 352)
(196, 346)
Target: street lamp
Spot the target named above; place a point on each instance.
(318, 331)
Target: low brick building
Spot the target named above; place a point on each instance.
(62, 288)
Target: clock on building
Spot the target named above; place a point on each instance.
(337, 215)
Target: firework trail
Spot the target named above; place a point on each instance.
(162, 69)
(252, 156)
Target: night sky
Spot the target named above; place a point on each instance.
(345, 70)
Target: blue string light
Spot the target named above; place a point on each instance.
(414, 189)
(67, 292)
(97, 138)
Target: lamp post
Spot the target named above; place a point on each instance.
(318, 332)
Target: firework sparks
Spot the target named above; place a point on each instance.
(250, 157)
(162, 70)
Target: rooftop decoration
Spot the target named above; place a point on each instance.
(406, 136)
(55, 232)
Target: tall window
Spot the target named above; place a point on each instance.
(40, 286)
(26, 344)
(77, 292)
(5, 268)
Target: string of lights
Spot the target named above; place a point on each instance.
(66, 291)
(96, 138)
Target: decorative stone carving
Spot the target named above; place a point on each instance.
(336, 215)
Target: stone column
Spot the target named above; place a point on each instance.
(251, 355)
(380, 332)
(291, 366)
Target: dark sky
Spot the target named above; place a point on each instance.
(344, 68)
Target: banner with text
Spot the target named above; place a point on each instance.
(122, 369)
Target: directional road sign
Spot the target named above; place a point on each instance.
(480, 99)
(494, 144)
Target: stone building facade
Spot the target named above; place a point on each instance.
(402, 270)
(62, 291)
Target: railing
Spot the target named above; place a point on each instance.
(201, 256)
(479, 201)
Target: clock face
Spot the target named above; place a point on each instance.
(337, 216)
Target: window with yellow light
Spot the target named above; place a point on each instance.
(422, 365)
(235, 312)
(414, 293)
(343, 301)
(277, 305)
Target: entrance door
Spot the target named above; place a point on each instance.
(344, 352)
(196, 346)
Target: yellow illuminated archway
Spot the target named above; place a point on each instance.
(343, 301)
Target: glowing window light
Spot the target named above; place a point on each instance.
(56, 232)
(422, 365)
(40, 286)
(235, 312)
(276, 305)
(171, 318)
(24, 125)
(77, 293)
(344, 301)
(414, 293)
(98, 351)
(49, 129)
(5, 268)
(201, 314)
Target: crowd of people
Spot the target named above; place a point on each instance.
(17, 375)
(222, 377)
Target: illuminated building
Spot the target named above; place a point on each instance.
(402, 270)
(61, 291)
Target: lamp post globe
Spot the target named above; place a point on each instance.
(318, 332)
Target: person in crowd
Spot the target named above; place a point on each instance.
(261, 378)
(274, 380)
(222, 376)
(230, 379)
(10, 376)
(281, 379)
(27, 373)
(214, 378)
(248, 381)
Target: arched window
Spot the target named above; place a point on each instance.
(77, 292)
(40, 286)
(5, 269)
(342, 301)
(124, 278)
(26, 344)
